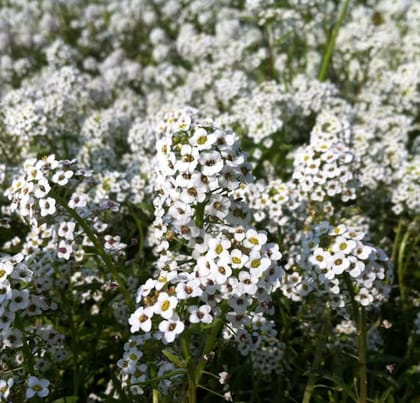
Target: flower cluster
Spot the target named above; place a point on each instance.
(324, 169)
(406, 196)
(230, 269)
(337, 262)
(30, 193)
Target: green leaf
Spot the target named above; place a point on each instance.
(173, 358)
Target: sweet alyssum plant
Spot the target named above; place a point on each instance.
(215, 271)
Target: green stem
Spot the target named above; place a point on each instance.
(155, 392)
(361, 335)
(397, 242)
(199, 214)
(192, 385)
(401, 271)
(195, 369)
(359, 317)
(208, 347)
(320, 346)
(331, 42)
(210, 391)
(101, 251)
(75, 351)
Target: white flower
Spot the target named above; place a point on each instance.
(33, 173)
(356, 267)
(78, 200)
(145, 289)
(343, 245)
(257, 264)
(201, 314)
(211, 163)
(363, 252)
(62, 177)
(12, 338)
(47, 206)
(238, 259)
(5, 269)
(218, 248)
(5, 291)
(319, 258)
(221, 272)
(339, 262)
(364, 297)
(247, 283)
(5, 387)
(254, 239)
(272, 251)
(171, 328)
(183, 123)
(188, 160)
(190, 289)
(202, 140)
(37, 387)
(239, 303)
(64, 250)
(42, 188)
(22, 272)
(19, 300)
(218, 206)
(113, 243)
(141, 319)
(66, 230)
(165, 305)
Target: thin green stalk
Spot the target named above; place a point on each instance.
(75, 351)
(192, 385)
(101, 251)
(208, 347)
(155, 392)
(319, 349)
(211, 391)
(331, 42)
(397, 242)
(401, 271)
(362, 344)
(195, 369)
(359, 317)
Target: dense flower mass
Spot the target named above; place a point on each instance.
(209, 200)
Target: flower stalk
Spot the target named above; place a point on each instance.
(331, 42)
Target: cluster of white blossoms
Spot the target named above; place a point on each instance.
(324, 169)
(18, 305)
(30, 193)
(13, 298)
(34, 196)
(335, 258)
(223, 267)
(406, 195)
(47, 195)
